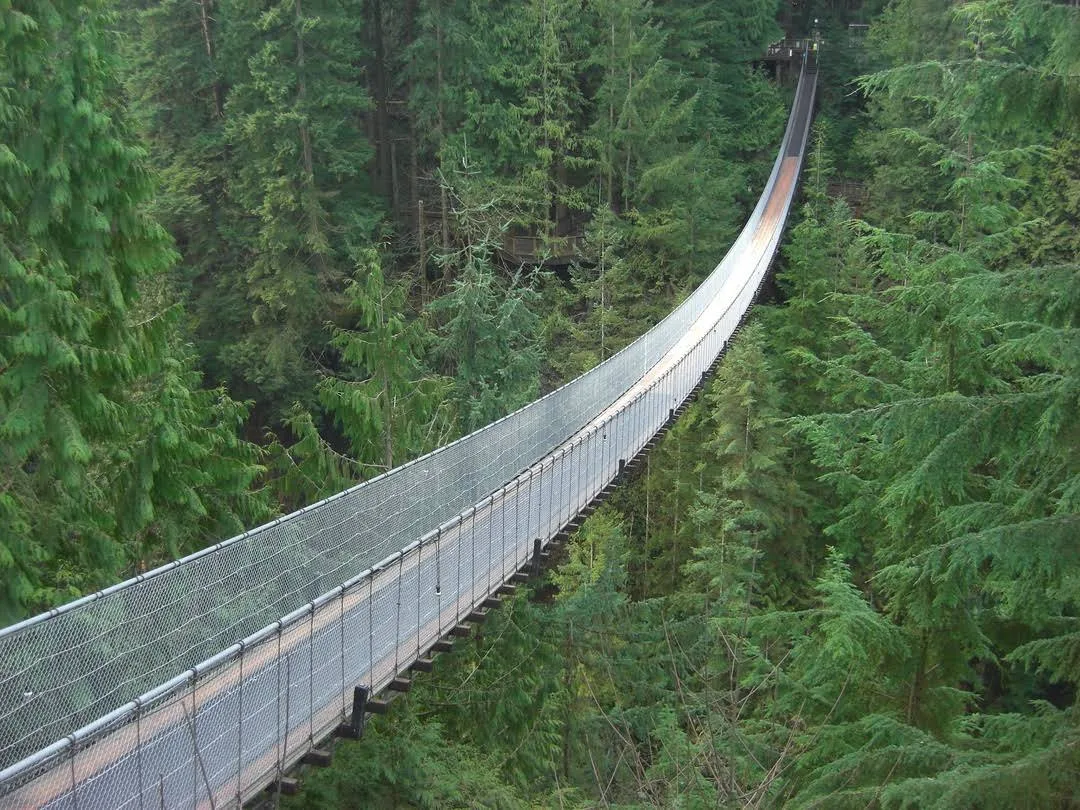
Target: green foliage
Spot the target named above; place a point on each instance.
(393, 410)
(615, 120)
(753, 499)
(608, 306)
(704, 647)
(409, 762)
(486, 340)
(912, 401)
(298, 163)
(308, 469)
(175, 78)
(111, 456)
(1055, 205)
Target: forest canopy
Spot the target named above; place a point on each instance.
(254, 252)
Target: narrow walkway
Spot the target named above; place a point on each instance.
(163, 707)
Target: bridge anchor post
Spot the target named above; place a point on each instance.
(536, 557)
(354, 729)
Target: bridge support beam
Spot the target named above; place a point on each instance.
(286, 786)
(320, 757)
(423, 665)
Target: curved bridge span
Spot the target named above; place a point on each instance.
(142, 696)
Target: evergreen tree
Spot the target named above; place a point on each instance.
(753, 500)
(487, 341)
(177, 82)
(392, 412)
(93, 400)
(955, 458)
(299, 178)
(603, 311)
(310, 468)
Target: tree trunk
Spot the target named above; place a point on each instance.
(611, 126)
(408, 35)
(918, 683)
(629, 92)
(208, 40)
(562, 213)
(442, 139)
(380, 91)
(422, 249)
(305, 133)
(568, 683)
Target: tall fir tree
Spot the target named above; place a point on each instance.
(299, 156)
(111, 456)
(487, 341)
(178, 82)
(393, 410)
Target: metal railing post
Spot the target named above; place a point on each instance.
(438, 578)
(419, 591)
(240, 732)
(341, 630)
(457, 591)
(540, 531)
(139, 746)
(490, 542)
(502, 533)
(569, 479)
(74, 783)
(397, 614)
(311, 678)
(371, 628)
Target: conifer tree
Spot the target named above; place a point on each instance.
(292, 121)
(549, 103)
(750, 499)
(487, 341)
(821, 260)
(177, 80)
(310, 468)
(954, 465)
(611, 312)
(392, 411)
(111, 456)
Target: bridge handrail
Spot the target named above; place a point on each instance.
(188, 682)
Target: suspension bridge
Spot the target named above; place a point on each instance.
(199, 684)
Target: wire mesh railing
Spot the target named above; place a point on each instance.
(416, 550)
